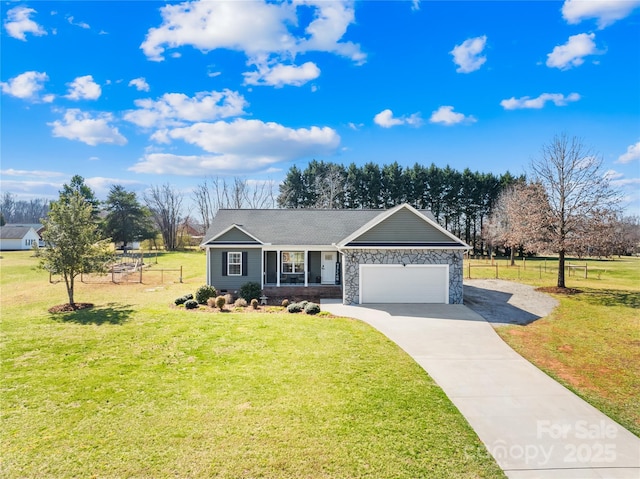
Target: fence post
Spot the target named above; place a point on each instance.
(113, 275)
(141, 274)
(469, 269)
(496, 271)
(180, 273)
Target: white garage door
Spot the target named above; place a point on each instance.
(391, 283)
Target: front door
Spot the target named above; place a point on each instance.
(328, 267)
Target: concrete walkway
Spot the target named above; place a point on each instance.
(533, 426)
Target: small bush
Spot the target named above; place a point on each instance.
(294, 308)
(250, 290)
(180, 300)
(220, 302)
(204, 292)
(188, 296)
(240, 303)
(191, 304)
(229, 298)
(254, 303)
(285, 303)
(312, 308)
(211, 302)
(303, 304)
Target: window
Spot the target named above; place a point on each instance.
(234, 264)
(293, 262)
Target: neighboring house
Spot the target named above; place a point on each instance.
(18, 237)
(400, 255)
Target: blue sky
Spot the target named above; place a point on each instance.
(147, 93)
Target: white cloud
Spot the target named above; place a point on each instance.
(446, 116)
(267, 33)
(27, 86)
(415, 5)
(30, 173)
(385, 119)
(84, 88)
(101, 185)
(18, 22)
(280, 75)
(572, 53)
(140, 84)
(241, 145)
(467, 55)
(606, 12)
(72, 21)
(632, 153)
(80, 126)
(174, 109)
(536, 103)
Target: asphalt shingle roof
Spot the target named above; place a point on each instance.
(295, 226)
(13, 231)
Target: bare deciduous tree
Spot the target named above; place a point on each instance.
(517, 217)
(578, 193)
(165, 204)
(215, 193)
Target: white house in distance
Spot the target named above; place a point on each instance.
(18, 237)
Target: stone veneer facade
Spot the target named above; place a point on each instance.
(352, 259)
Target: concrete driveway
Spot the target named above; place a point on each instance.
(533, 426)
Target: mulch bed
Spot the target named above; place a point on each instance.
(556, 290)
(69, 308)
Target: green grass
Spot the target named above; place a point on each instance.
(591, 342)
(136, 388)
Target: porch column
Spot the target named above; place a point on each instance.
(264, 273)
(278, 268)
(306, 268)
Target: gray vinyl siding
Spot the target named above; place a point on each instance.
(403, 226)
(234, 235)
(233, 283)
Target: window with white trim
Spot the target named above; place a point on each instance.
(293, 262)
(234, 264)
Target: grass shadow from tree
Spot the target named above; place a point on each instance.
(111, 313)
(613, 297)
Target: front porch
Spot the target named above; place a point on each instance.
(299, 293)
(307, 268)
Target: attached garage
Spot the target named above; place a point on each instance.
(397, 283)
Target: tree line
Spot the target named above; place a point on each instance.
(461, 201)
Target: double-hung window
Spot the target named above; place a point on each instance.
(293, 262)
(234, 264)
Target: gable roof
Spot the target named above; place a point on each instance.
(15, 231)
(287, 227)
(398, 227)
(320, 227)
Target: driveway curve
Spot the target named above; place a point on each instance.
(533, 426)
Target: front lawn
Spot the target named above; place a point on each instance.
(591, 342)
(136, 388)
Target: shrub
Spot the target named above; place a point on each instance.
(312, 308)
(188, 296)
(228, 298)
(211, 302)
(220, 302)
(205, 292)
(190, 304)
(285, 303)
(254, 303)
(240, 303)
(303, 304)
(180, 300)
(250, 290)
(294, 308)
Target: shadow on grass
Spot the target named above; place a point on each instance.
(112, 313)
(613, 297)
